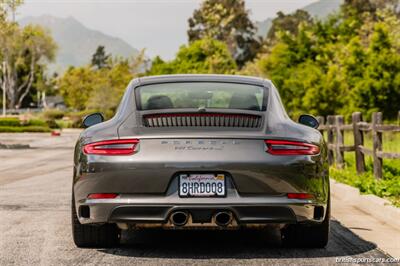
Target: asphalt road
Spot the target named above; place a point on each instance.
(35, 228)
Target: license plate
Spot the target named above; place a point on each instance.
(201, 185)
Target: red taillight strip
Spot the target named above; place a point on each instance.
(102, 196)
(112, 147)
(287, 147)
(299, 196)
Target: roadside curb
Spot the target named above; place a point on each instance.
(14, 146)
(371, 204)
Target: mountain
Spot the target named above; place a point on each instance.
(263, 27)
(320, 9)
(77, 43)
(323, 8)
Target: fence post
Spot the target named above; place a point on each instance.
(321, 122)
(377, 144)
(398, 118)
(339, 141)
(331, 137)
(358, 141)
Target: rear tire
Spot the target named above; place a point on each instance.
(307, 236)
(98, 236)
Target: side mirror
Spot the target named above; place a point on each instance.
(309, 120)
(92, 119)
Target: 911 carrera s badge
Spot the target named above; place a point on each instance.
(200, 145)
(201, 185)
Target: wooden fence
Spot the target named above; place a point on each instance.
(335, 129)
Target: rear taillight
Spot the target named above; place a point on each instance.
(299, 196)
(102, 196)
(287, 147)
(112, 147)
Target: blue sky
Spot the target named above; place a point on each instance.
(157, 25)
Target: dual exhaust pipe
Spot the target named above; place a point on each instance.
(181, 218)
(223, 218)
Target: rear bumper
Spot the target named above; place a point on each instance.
(243, 214)
(148, 209)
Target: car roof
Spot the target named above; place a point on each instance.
(201, 78)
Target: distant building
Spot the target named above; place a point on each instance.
(56, 101)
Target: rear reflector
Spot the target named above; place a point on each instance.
(102, 196)
(299, 196)
(287, 147)
(112, 147)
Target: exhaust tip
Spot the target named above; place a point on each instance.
(179, 218)
(223, 218)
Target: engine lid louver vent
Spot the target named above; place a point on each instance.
(202, 120)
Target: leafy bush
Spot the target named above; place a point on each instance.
(53, 114)
(62, 123)
(388, 187)
(13, 124)
(37, 122)
(20, 129)
(10, 122)
(52, 124)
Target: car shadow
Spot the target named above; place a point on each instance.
(240, 244)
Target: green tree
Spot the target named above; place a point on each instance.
(76, 85)
(379, 87)
(289, 22)
(22, 51)
(343, 64)
(227, 21)
(100, 58)
(9, 6)
(199, 57)
(359, 7)
(85, 88)
(107, 93)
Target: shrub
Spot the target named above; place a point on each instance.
(19, 129)
(10, 122)
(64, 123)
(37, 122)
(388, 187)
(53, 114)
(52, 124)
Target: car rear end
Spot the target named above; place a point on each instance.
(202, 155)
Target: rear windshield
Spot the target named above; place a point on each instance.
(201, 95)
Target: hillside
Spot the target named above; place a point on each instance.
(76, 42)
(320, 9)
(323, 8)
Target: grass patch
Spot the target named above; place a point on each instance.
(388, 187)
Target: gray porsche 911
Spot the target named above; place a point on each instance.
(200, 152)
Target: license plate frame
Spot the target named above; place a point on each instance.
(204, 178)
